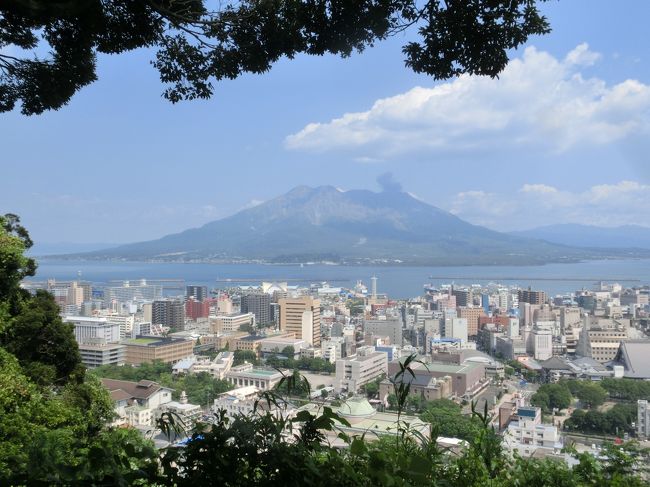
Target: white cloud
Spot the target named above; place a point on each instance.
(251, 204)
(538, 101)
(622, 203)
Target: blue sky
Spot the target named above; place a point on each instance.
(561, 136)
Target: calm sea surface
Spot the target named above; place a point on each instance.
(398, 282)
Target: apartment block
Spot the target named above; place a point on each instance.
(301, 316)
(260, 305)
(531, 297)
(168, 312)
(473, 316)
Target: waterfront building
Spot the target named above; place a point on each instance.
(199, 293)
(531, 297)
(132, 291)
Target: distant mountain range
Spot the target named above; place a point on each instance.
(348, 227)
(628, 236)
(54, 248)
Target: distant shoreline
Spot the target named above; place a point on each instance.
(362, 263)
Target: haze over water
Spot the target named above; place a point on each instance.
(397, 282)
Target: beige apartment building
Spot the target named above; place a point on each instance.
(148, 349)
(231, 322)
(601, 340)
(472, 315)
(301, 316)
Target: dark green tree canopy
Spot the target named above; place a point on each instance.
(48, 48)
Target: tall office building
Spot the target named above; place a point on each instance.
(472, 315)
(260, 305)
(168, 312)
(389, 327)
(455, 328)
(373, 286)
(532, 297)
(301, 316)
(195, 309)
(485, 303)
(463, 296)
(199, 293)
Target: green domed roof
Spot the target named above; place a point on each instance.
(356, 408)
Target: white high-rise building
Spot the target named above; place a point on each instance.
(138, 291)
(542, 343)
(503, 299)
(513, 328)
(455, 328)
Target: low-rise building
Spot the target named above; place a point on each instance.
(87, 328)
(467, 379)
(144, 349)
(249, 343)
(365, 421)
(101, 353)
(248, 375)
(360, 369)
(527, 435)
(246, 401)
(231, 322)
(217, 367)
(634, 357)
(237, 401)
(510, 348)
(183, 410)
(136, 402)
(141, 403)
(277, 345)
(311, 352)
(424, 386)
